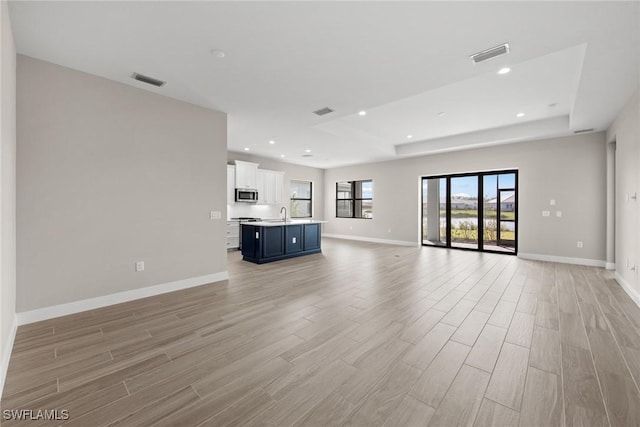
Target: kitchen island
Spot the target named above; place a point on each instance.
(268, 241)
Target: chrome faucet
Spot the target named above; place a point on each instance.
(285, 213)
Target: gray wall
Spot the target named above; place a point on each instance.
(625, 131)
(571, 170)
(7, 187)
(108, 175)
(291, 172)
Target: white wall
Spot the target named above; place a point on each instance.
(571, 170)
(7, 190)
(625, 132)
(108, 175)
(291, 172)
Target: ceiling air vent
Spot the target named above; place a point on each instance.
(583, 130)
(323, 111)
(485, 55)
(147, 79)
(307, 155)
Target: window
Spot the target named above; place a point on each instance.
(354, 199)
(301, 199)
(477, 211)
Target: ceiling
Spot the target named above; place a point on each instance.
(573, 66)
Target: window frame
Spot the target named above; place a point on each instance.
(353, 199)
(481, 224)
(310, 199)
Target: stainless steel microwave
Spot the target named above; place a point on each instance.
(247, 196)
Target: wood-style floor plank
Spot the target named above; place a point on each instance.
(493, 414)
(433, 384)
(508, 378)
(542, 401)
(487, 348)
(362, 334)
(462, 402)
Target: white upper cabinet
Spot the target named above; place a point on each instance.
(261, 190)
(270, 187)
(279, 188)
(231, 184)
(246, 175)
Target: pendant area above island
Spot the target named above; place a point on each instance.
(272, 241)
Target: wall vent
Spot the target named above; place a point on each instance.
(485, 55)
(147, 79)
(323, 111)
(583, 130)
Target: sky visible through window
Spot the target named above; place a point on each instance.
(467, 186)
(367, 190)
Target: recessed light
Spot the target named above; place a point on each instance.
(442, 113)
(218, 53)
(504, 70)
(362, 113)
(307, 151)
(409, 136)
(520, 115)
(271, 141)
(281, 155)
(246, 148)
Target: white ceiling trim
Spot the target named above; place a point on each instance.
(528, 131)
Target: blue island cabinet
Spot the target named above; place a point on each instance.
(269, 243)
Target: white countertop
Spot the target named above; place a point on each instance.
(280, 222)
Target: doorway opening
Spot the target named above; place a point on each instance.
(474, 211)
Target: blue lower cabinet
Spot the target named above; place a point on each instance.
(250, 241)
(311, 237)
(266, 244)
(272, 241)
(293, 238)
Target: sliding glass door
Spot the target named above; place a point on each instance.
(464, 212)
(475, 211)
(434, 213)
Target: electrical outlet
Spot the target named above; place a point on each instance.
(293, 240)
(546, 213)
(558, 214)
(579, 244)
(389, 231)
(139, 266)
(215, 215)
(552, 202)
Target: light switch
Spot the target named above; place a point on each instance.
(546, 213)
(552, 202)
(558, 214)
(215, 215)
(139, 266)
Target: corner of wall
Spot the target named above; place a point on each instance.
(6, 353)
(633, 294)
(8, 322)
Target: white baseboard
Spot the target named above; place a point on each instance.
(371, 239)
(45, 313)
(633, 294)
(610, 266)
(563, 260)
(6, 353)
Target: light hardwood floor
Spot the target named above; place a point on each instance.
(361, 335)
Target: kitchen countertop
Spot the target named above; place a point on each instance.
(275, 223)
